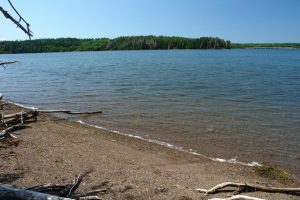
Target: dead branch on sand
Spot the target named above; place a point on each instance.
(32, 114)
(9, 192)
(50, 191)
(238, 197)
(16, 121)
(249, 187)
(8, 132)
(17, 118)
(69, 112)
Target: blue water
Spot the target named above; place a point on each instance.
(222, 103)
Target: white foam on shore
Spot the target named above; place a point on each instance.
(232, 161)
(18, 104)
(191, 151)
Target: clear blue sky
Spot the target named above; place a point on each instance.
(235, 20)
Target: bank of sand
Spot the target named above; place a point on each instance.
(55, 150)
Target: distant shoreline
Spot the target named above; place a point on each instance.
(120, 43)
(148, 42)
(244, 48)
(266, 46)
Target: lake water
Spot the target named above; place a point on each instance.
(242, 104)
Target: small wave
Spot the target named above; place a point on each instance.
(191, 151)
(22, 106)
(232, 161)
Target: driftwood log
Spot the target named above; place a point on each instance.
(25, 115)
(8, 132)
(238, 197)
(68, 112)
(50, 191)
(15, 121)
(17, 118)
(62, 190)
(9, 192)
(21, 117)
(249, 187)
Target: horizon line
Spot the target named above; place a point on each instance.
(112, 38)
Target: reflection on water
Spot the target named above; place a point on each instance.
(225, 103)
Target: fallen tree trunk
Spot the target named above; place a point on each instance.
(9, 192)
(7, 132)
(244, 186)
(25, 115)
(12, 121)
(68, 112)
(17, 118)
(50, 191)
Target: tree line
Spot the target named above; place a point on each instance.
(120, 43)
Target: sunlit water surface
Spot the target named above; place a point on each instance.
(242, 104)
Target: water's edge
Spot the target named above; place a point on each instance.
(162, 143)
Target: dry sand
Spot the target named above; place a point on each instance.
(55, 150)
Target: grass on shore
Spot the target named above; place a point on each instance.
(274, 173)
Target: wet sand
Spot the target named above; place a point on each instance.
(55, 150)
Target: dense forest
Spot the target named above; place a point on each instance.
(128, 43)
(120, 43)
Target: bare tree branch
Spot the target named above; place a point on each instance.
(18, 23)
(2, 64)
(244, 186)
(21, 18)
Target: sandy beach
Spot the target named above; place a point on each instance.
(55, 150)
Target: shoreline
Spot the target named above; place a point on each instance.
(233, 48)
(56, 149)
(162, 143)
(187, 108)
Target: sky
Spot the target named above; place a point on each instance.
(241, 21)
